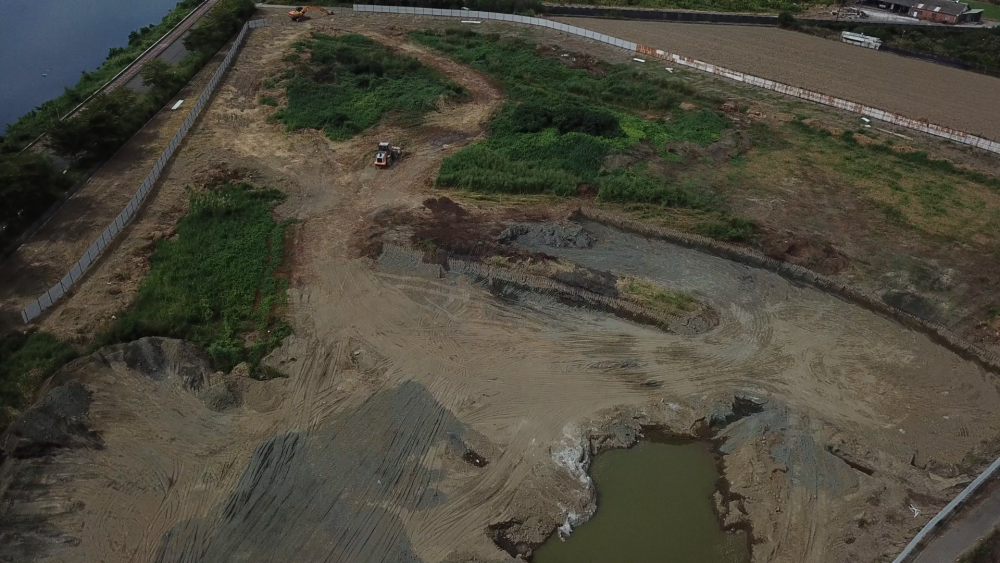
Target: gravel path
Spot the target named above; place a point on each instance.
(940, 94)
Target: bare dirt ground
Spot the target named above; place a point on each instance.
(398, 370)
(916, 89)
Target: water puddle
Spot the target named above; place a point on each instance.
(654, 505)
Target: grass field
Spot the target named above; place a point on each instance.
(990, 11)
(620, 131)
(566, 129)
(345, 84)
(910, 189)
(216, 283)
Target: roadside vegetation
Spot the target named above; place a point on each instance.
(346, 84)
(977, 48)
(738, 6)
(30, 183)
(217, 283)
(617, 130)
(26, 360)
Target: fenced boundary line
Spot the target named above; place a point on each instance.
(138, 60)
(38, 306)
(642, 50)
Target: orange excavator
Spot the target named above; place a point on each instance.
(299, 14)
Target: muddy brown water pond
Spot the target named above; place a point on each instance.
(654, 505)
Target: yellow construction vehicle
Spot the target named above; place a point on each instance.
(387, 154)
(299, 14)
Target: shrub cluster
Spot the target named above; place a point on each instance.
(349, 82)
(561, 124)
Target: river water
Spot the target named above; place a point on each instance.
(61, 39)
(653, 506)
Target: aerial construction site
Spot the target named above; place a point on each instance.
(409, 283)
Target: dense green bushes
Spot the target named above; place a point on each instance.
(29, 185)
(350, 82)
(100, 128)
(219, 25)
(566, 117)
(561, 125)
(216, 283)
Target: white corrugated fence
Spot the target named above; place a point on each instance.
(854, 107)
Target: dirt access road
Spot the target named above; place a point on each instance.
(917, 89)
(399, 373)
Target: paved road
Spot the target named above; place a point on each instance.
(972, 523)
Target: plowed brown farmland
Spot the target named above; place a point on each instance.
(922, 90)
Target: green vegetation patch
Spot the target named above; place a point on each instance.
(562, 127)
(990, 11)
(26, 360)
(907, 187)
(350, 82)
(738, 6)
(217, 282)
(29, 184)
(663, 301)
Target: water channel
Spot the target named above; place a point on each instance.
(653, 506)
(46, 44)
